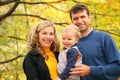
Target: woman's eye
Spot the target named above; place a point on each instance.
(44, 33)
(51, 33)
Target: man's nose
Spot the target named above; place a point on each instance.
(80, 20)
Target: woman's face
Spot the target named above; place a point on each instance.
(46, 37)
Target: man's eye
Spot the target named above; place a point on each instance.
(82, 16)
(75, 19)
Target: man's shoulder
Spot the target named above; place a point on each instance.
(101, 33)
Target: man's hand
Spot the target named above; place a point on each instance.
(80, 70)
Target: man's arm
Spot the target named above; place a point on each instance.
(111, 71)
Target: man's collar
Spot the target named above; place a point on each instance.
(88, 33)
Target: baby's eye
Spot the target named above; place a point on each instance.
(63, 38)
(69, 39)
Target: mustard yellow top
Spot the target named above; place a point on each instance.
(51, 63)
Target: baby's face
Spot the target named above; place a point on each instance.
(68, 39)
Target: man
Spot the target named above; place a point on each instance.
(101, 58)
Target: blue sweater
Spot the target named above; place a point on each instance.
(101, 54)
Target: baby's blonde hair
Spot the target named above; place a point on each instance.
(72, 29)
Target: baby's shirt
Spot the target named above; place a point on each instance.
(67, 60)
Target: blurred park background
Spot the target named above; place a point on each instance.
(18, 16)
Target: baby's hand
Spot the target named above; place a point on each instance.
(57, 78)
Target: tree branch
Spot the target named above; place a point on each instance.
(47, 3)
(10, 60)
(14, 37)
(6, 2)
(10, 11)
(32, 3)
(37, 16)
(59, 9)
(111, 32)
(102, 14)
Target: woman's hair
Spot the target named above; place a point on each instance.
(72, 29)
(33, 38)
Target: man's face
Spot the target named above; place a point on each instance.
(82, 20)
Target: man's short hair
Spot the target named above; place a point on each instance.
(78, 7)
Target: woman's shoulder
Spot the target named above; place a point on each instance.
(32, 53)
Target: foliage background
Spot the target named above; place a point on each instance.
(18, 16)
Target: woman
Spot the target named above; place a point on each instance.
(41, 61)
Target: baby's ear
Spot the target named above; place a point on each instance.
(77, 40)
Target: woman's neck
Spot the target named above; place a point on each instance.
(46, 49)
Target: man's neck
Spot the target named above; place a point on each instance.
(86, 33)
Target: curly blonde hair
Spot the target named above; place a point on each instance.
(33, 39)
